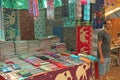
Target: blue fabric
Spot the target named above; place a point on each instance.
(87, 11)
(98, 21)
(58, 31)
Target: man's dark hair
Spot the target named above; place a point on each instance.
(106, 21)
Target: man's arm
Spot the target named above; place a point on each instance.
(100, 51)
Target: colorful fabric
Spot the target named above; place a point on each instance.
(57, 3)
(98, 14)
(83, 2)
(78, 10)
(50, 9)
(65, 12)
(94, 41)
(39, 26)
(2, 37)
(11, 29)
(92, 1)
(87, 11)
(84, 39)
(70, 21)
(26, 25)
(33, 8)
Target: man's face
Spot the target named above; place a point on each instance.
(108, 25)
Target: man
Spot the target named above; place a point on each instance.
(104, 50)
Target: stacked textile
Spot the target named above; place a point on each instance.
(54, 39)
(7, 49)
(60, 47)
(33, 45)
(45, 44)
(21, 47)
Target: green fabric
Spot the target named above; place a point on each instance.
(57, 3)
(15, 4)
(42, 4)
(23, 4)
(7, 4)
(20, 4)
(70, 21)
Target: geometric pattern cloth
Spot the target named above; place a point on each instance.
(40, 25)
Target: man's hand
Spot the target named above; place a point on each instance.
(102, 60)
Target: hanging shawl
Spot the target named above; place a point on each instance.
(65, 12)
(78, 10)
(87, 11)
(50, 9)
(92, 1)
(33, 8)
(83, 2)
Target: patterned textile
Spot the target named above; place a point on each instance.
(65, 12)
(40, 26)
(78, 10)
(33, 8)
(11, 28)
(87, 11)
(57, 3)
(99, 14)
(26, 25)
(69, 37)
(92, 1)
(58, 21)
(2, 37)
(94, 41)
(84, 39)
(50, 9)
(78, 72)
(70, 21)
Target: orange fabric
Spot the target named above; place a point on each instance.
(85, 59)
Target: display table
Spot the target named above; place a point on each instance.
(82, 71)
(77, 72)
